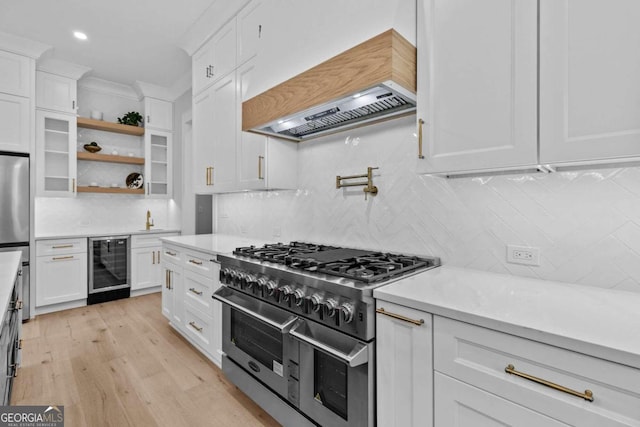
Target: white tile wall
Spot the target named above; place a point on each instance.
(586, 223)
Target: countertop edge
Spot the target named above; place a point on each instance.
(107, 233)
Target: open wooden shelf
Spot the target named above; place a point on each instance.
(85, 122)
(110, 190)
(83, 155)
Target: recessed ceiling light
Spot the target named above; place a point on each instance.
(79, 35)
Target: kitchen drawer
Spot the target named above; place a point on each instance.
(198, 327)
(479, 356)
(198, 291)
(148, 240)
(61, 246)
(201, 263)
(171, 254)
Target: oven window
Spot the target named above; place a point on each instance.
(330, 383)
(257, 339)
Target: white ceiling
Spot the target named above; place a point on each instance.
(128, 40)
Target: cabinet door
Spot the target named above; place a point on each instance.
(589, 85)
(477, 84)
(201, 63)
(14, 123)
(158, 114)
(158, 170)
(56, 93)
(15, 74)
(224, 51)
(145, 268)
(203, 152)
(404, 368)
(223, 123)
(249, 22)
(56, 154)
(61, 278)
(172, 294)
(167, 295)
(458, 404)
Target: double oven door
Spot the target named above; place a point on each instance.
(326, 375)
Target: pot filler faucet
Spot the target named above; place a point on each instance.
(149, 222)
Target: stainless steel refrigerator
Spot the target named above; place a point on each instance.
(14, 213)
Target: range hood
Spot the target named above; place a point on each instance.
(373, 81)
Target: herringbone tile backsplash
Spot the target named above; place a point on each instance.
(586, 223)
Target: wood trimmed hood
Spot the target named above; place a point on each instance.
(373, 81)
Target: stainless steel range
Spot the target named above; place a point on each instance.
(299, 328)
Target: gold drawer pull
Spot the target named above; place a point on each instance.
(420, 123)
(20, 344)
(195, 292)
(193, 261)
(60, 258)
(400, 317)
(170, 253)
(587, 395)
(19, 304)
(194, 326)
(61, 246)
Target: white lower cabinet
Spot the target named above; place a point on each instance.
(61, 271)
(146, 270)
(191, 277)
(405, 366)
(481, 377)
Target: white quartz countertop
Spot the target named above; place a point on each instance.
(600, 322)
(9, 266)
(97, 232)
(213, 243)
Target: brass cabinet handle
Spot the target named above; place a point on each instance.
(20, 344)
(400, 317)
(195, 292)
(73, 184)
(166, 279)
(147, 188)
(260, 159)
(153, 255)
(194, 326)
(60, 258)
(19, 305)
(61, 246)
(170, 253)
(587, 395)
(193, 261)
(420, 123)
(206, 176)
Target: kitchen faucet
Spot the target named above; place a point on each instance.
(149, 224)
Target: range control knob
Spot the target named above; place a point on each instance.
(330, 307)
(270, 288)
(286, 292)
(234, 278)
(225, 275)
(261, 283)
(252, 281)
(298, 297)
(242, 280)
(347, 312)
(315, 301)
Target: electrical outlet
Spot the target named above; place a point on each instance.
(526, 255)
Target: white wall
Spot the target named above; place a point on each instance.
(586, 223)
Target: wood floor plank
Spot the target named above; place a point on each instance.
(120, 363)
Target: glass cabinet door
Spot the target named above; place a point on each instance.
(56, 152)
(158, 174)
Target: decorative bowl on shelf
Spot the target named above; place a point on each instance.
(93, 147)
(134, 180)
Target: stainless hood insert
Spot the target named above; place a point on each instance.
(371, 82)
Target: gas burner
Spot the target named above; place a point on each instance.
(282, 253)
(374, 267)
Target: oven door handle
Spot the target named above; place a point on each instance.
(281, 326)
(359, 355)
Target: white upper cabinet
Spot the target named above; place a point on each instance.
(477, 84)
(57, 93)
(15, 74)
(202, 143)
(589, 80)
(158, 114)
(214, 59)
(250, 22)
(15, 132)
(158, 171)
(56, 136)
(223, 122)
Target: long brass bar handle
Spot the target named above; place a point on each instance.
(194, 326)
(61, 246)
(260, 160)
(400, 317)
(195, 292)
(20, 344)
(166, 279)
(420, 123)
(60, 258)
(587, 395)
(193, 261)
(153, 255)
(73, 180)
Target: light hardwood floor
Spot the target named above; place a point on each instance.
(121, 364)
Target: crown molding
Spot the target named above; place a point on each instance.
(144, 89)
(22, 46)
(96, 84)
(211, 20)
(62, 68)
